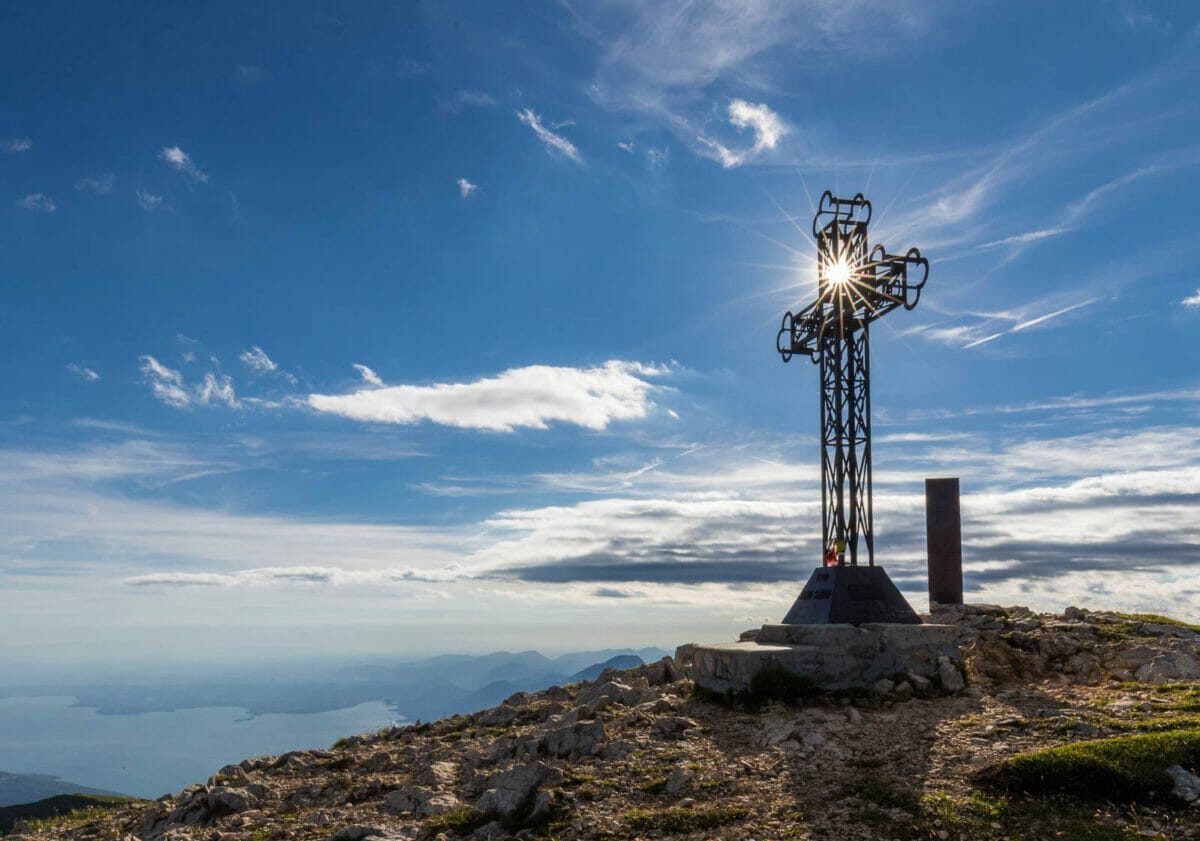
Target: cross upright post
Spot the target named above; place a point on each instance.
(856, 285)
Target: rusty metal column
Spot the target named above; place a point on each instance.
(943, 536)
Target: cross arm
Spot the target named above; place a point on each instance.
(898, 280)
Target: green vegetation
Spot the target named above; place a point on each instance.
(462, 820)
(879, 791)
(61, 810)
(1121, 769)
(1114, 630)
(1183, 697)
(978, 817)
(1155, 619)
(675, 821)
(656, 786)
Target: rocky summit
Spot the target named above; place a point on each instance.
(1084, 725)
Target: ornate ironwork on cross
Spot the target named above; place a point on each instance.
(856, 285)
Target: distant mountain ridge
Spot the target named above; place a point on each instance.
(428, 688)
(27, 788)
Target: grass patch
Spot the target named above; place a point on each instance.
(462, 820)
(1156, 619)
(1150, 724)
(675, 820)
(1122, 769)
(881, 792)
(978, 817)
(981, 817)
(656, 786)
(61, 810)
(1182, 697)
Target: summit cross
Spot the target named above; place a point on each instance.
(855, 286)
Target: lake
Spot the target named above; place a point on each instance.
(155, 753)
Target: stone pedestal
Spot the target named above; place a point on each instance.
(834, 657)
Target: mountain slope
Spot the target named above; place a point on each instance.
(26, 788)
(638, 754)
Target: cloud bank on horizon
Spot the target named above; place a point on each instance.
(417, 403)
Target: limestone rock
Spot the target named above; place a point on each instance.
(500, 716)
(949, 676)
(673, 725)
(512, 790)
(439, 804)
(407, 799)
(1173, 666)
(1187, 784)
(436, 774)
(680, 779)
(575, 740)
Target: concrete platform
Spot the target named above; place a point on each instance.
(836, 657)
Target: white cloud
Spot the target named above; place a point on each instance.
(148, 201)
(1020, 239)
(469, 99)
(38, 201)
(465, 187)
(985, 332)
(553, 141)
(369, 376)
(1148, 23)
(625, 147)
(296, 575)
(1193, 300)
(169, 387)
(180, 160)
(100, 185)
(216, 388)
(87, 374)
(166, 383)
(766, 125)
(258, 361)
(18, 144)
(529, 397)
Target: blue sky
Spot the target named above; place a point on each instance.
(367, 328)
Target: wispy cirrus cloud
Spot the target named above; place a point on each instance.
(368, 376)
(553, 142)
(297, 575)
(181, 161)
(148, 201)
(99, 185)
(256, 360)
(17, 144)
(466, 188)
(169, 387)
(767, 126)
(1192, 300)
(83, 372)
(993, 326)
(39, 202)
(529, 398)
(468, 99)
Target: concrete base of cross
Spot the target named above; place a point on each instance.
(835, 658)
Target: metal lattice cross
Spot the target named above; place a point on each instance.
(855, 286)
